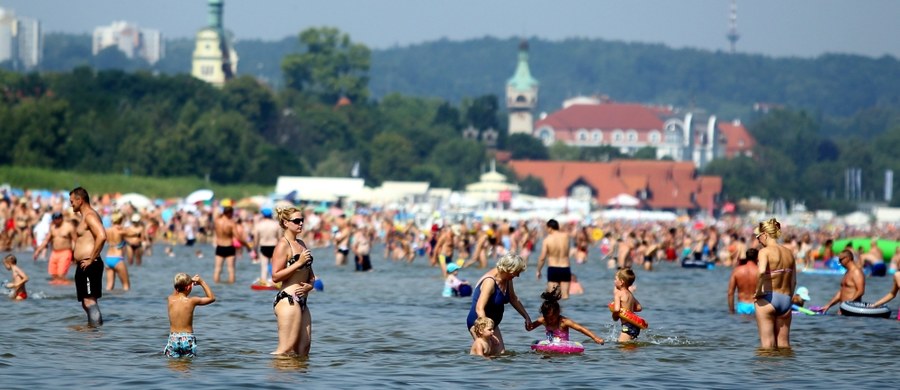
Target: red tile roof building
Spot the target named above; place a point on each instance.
(660, 185)
(681, 136)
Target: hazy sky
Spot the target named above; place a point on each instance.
(773, 27)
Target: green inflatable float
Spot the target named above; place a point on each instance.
(862, 245)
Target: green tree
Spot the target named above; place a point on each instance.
(531, 185)
(526, 147)
(645, 153)
(252, 100)
(332, 66)
(392, 158)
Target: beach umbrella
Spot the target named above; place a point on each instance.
(137, 200)
(199, 196)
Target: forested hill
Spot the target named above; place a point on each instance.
(727, 84)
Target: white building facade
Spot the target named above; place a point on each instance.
(131, 40)
(21, 40)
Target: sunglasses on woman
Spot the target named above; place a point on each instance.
(296, 221)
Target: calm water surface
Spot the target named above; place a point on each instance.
(392, 329)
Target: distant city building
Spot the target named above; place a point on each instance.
(521, 95)
(215, 60)
(21, 40)
(131, 40)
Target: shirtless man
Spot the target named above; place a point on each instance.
(482, 247)
(341, 241)
(853, 285)
(266, 233)
(89, 242)
(624, 250)
(555, 250)
(445, 248)
(226, 232)
(743, 279)
(62, 238)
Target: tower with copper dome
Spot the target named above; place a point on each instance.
(521, 95)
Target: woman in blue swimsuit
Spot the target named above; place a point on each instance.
(775, 287)
(493, 291)
(115, 264)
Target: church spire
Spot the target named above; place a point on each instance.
(522, 80)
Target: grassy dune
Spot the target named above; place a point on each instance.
(95, 183)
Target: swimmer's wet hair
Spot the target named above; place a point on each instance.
(182, 281)
(10, 258)
(626, 275)
(511, 263)
(480, 324)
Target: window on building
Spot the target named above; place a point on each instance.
(582, 135)
(546, 136)
(618, 136)
(207, 70)
(582, 192)
(597, 136)
(632, 136)
(654, 137)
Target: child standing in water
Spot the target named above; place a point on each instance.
(624, 299)
(19, 278)
(556, 325)
(181, 315)
(485, 344)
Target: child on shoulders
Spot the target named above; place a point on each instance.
(181, 315)
(624, 299)
(485, 344)
(17, 285)
(556, 325)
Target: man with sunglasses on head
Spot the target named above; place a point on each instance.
(226, 233)
(853, 284)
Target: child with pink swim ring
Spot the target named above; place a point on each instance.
(557, 326)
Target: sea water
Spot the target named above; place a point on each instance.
(391, 328)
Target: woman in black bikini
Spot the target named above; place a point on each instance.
(292, 266)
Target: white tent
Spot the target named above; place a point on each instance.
(624, 200)
(137, 200)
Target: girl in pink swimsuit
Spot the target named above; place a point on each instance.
(557, 326)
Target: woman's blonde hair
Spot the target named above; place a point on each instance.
(284, 214)
(771, 227)
(511, 263)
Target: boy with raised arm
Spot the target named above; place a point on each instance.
(181, 315)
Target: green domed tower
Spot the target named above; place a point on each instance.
(521, 95)
(214, 60)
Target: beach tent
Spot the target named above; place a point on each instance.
(137, 200)
(624, 200)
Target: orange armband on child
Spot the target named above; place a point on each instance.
(629, 317)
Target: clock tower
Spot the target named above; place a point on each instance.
(521, 95)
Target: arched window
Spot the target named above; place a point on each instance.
(546, 135)
(582, 136)
(582, 192)
(631, 136)
(618, 136)
(654, 137)
(597, 136)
